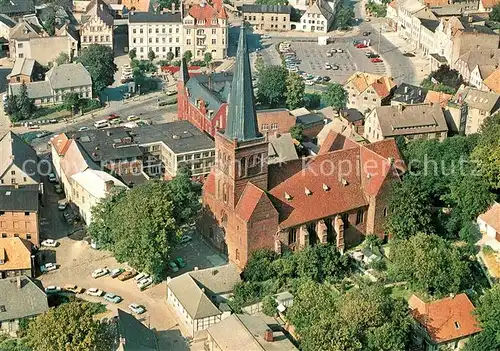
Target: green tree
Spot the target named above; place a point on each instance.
(151, 55)
(297, 132)
(487, 152)
(188, 55)
(140, 226)
(25, 105)
(259, 267)
(71, 101)
(132, 54)
(14, 344)
(312, 100)
(495, 13)
(170, 56)
(99, 61)
(259, 65)
(50, 21)
(335, 96)
(11, 107)
(269, 305)
(207, 58)
(295, 88)
(185, 196)
(271, 2)
(429, 263)
(69, 327)
(62, 58)
(272, 85)
(167, 4)
(344, 17)
(444, 79)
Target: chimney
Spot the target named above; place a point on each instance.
(108, 184)
(173, 7)
(406, 90)
(18, 282)
(268, 335)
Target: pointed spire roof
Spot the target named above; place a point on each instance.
(241, 117)
(184, 73)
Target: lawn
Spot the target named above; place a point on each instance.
(50, 112)
(401, 291)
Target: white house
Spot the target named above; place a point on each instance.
(319, 17)
(489, 222)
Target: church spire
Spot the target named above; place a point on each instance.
(241, 119)
(184, 74)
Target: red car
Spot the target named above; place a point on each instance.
(361, 46)
(111, 117)
(376, 60)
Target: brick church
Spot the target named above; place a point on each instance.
(338, 196)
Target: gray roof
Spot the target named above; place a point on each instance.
(19, 302)
(22, 66)
(36, 90)
(241, 121)
(187, 288)
(23, 199)
(68, 75)
(311, 118)
(9, 22)
(266, 8)
(409, 94)
(244, 332)
(179, 136)
(281, 148)
(17, 7)
(430, 24)
(323, 7)
(136, 335)
(478, 99)
(13, 150)
(411, 119)
(213, 89)
(151, 17)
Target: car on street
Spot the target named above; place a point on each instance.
(328, 66)
(52, 178)
(115, 272)
(110, 297)
(74, 289)
(340, 51)
(141, 276)
(329, 54)
(58, 188)
(293, 69)
(100, 272)
(361, 46)
(180, 262)
(127, 275)
(366, 33)
(376, 60)
(143, 284)
(62, 205)
(326, 79)
(335, 67)
(83, 129)
(266, 36)
(51, 289)
(136, 308)
(44, 268)
(132, 118)
(185, 239)
(50, 243)
(371, 54)
(94, 292)
(116, 121)
(173, 266)
(171, 92)
(111, 117)
(309, 82)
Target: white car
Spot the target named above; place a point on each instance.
(328, 66)
(138, 309)
(48, 267)
(99, 273)
(309, 82)
(50, 243)
(94, 292)
(185, 239)
(62, 206)
(83, 129)
(141, 276)
(145, 283)
(52, 289)
(52, 178)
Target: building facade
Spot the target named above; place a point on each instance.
(97, 25)
(319, 16)
(19, 166)
(268, 17)
(366, 91)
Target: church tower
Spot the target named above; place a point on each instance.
(182, 97)
(240, 151)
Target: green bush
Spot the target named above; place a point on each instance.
(198, 63)
(269, 305)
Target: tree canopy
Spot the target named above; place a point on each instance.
(188, 55)
(444, 79)
(495, 13)
(19, 107)
(295, 88)
(69, 327)
(487, 152)
(429, 263)
(345, 16)
(335, 96)
(99, 61)
(272, 85)
(62, 58)
(140, 226)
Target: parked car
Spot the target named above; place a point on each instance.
(116, 121)
(52, 289)
(328, 66)
(141, 276)
(335, 67)
(94, 292)
(185, 239)
(366, 33)
(361, 46)
(371, 54)
(100, 272)
(171, 92)
(135, 308)
(62, 205)
(309, 82)
(180, 262)
(50, 243)
(340, 51)
(266, 36)
(52, 178)
(74, 289)
(83, 129)
(132, 118)
(111, 117)
(127, 275)
(376, 60)
(112, 298)
(115, 272)
(44, 268)
(143, 284)
(326, 79)
(58, 188)
(173, 266)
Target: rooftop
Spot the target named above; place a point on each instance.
(94, 182)
(22, 199)
(17, 7)
(409, 94)
(22, 66)
(382, 85)
(151, 17)
(266, 8)
(492, 216)
(281, 148)
(68, 75)
(135, 335)
(21, 298)
(478, 99)
(14, 150)
(493, 81)
(15, 253)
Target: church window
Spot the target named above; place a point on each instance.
(292, 236)
(237, 254)
(359, 216)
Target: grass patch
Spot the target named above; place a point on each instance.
(401, 291)
(50, 112)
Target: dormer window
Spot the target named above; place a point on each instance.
(307, 192)
(325, 187)
(288, 196)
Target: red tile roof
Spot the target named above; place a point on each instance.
(388, 149)
(492, 216)
(335, 141)
(60, 143)
(446, 319)
(249, 201)
(206, 13)
(488, 4)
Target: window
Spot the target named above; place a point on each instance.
(140, 30)
(188, 42)
(265, 126)
(292, 236)
(26, 213)
(16, 235)
(214, 41)
(274, 126)
(4, 235)
(177, 30)
(214, 31)
(134, 30)
(359, 216)
(237, 254)
(150, 30)
(21, 55)
(13, 172)
(188, 31)
(28, 236)
(19, 45)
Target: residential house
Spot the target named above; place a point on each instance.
(97, 25)
(489, 222)
(267, 17)
(20, 213)
(444, 323)
(206, 29)
(407, 94)
(16, 9)
(21, 298)
(487, 5)
(281, 149)
(423, 27)
(319, 16)
(133, 335)
(422, 121)
(248, 204)
(366, 91)
(342, 128)
(6, 24)
(492, 82)
(479, 76)
(15, 257)
(160, 33)
(476, 65)
(437, 97)
(469, 107)
(28, 39)
(59, 81)
(22, 71)
(19, 161)
(198, 297)
(300, 5)
(311, 122)
(247, 333)
(406, 10)
(278, 120)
